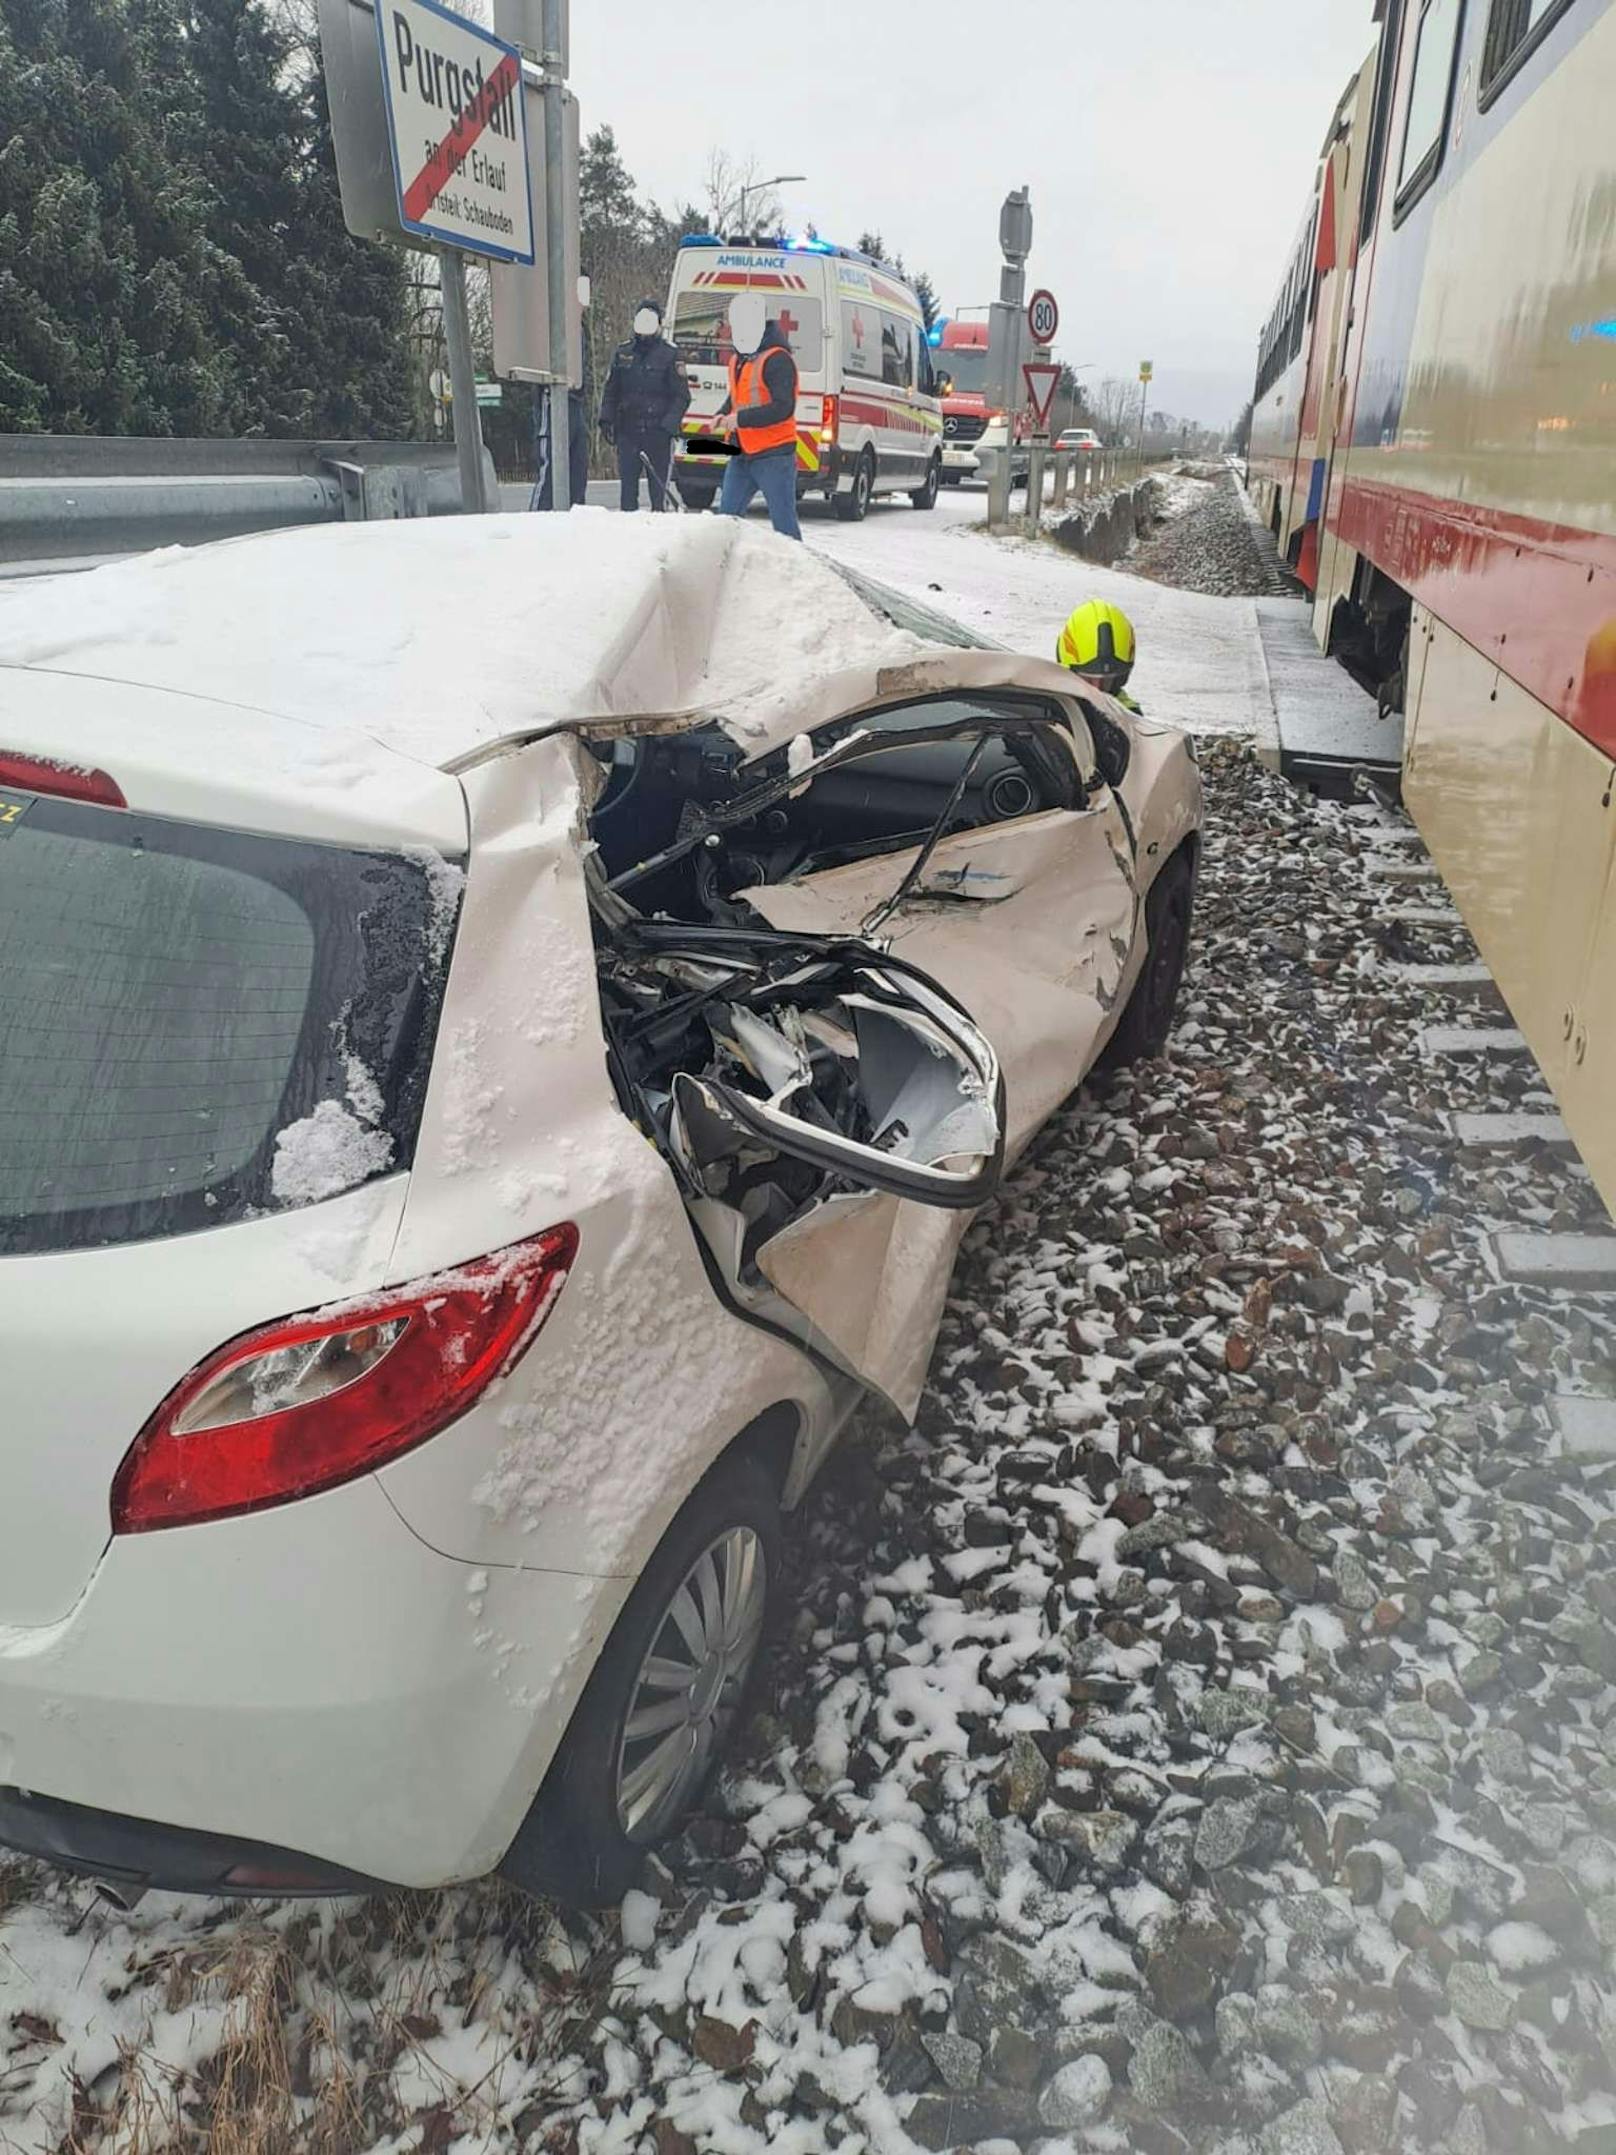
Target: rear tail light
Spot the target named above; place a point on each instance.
(310, 1401)
(830, 418)
(65, 781)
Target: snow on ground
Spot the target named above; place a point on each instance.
(1199, 1732)
(1200, 661)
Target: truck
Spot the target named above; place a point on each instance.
(970, 423)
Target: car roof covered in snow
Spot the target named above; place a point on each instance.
(438, 639)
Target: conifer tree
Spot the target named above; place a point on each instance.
(108, 284)
(235, 121)
(172, 253)
(346, 301)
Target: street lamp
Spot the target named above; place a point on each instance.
(758, 187)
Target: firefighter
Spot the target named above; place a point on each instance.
(643, 405)
(1098, 643)
(761, 415)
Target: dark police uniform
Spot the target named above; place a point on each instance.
(645, 400)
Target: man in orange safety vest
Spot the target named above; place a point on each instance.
(761, 415)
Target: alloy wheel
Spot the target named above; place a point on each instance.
(690, 1682)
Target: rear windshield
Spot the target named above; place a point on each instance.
(197, 1025)
(701, 327)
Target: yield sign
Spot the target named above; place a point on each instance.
(1041, 375)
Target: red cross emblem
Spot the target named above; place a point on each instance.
(789, 322)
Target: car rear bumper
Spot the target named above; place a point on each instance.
(311, 1679)
(129, 1855)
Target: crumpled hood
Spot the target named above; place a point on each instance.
(441, 637)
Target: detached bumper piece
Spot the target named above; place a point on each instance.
(131, 1855)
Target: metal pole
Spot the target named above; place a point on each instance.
(555, 220)
(1012, 282)
(468, 427)
(1144, 399)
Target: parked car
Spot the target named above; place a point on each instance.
(1080, 438)
(505, 1022)
(869, 420)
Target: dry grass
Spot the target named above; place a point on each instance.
(19, 1882)
(329, 2027)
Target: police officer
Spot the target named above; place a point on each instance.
(644, 402)
(1098, 643)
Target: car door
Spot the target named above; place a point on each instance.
(1025, 906)
(900, 429)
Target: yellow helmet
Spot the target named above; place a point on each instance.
(1098, 642)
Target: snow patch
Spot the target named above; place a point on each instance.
(326, 1153)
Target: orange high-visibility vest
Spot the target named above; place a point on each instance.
(746, 388)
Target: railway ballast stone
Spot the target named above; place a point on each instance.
(1202, 539)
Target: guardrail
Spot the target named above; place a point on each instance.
(1076, 475)
(67, 499)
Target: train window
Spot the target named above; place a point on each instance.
(1514, 29)
(1430, 93)
(1380, 114)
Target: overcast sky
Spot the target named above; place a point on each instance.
(1168, 144)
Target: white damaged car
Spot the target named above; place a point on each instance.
(503, 1024)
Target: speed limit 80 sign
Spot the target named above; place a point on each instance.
(1043, 317)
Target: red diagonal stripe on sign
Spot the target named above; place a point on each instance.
(450, 153)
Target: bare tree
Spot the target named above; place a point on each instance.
(735, 196)
(1116, 409)
(299, 23)
(428, 347)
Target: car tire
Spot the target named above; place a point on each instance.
(579, 1842)
(1143, 1029)
(853, 506)
(925, 497)
(696, 498)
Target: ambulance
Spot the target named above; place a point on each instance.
(869, 419)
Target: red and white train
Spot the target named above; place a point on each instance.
(1434, 444)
